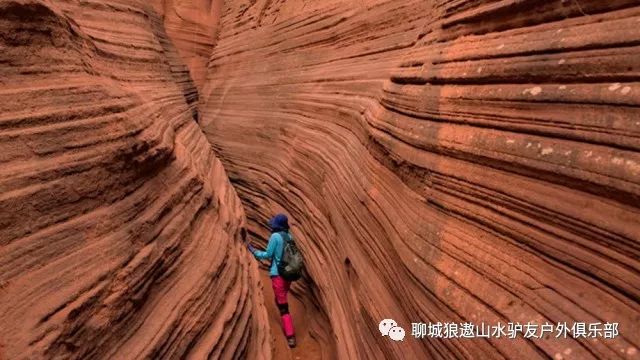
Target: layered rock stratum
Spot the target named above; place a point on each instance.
(119, 229)
(444, 161)
(193, 27)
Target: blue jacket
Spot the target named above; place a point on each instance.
(274, 250)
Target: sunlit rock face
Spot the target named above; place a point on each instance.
(119, 230)
(443, 161)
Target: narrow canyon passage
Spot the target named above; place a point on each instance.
(193, 27)
(441, 161)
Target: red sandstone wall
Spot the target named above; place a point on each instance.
(119, 230)
(443, 161)
(192, 26)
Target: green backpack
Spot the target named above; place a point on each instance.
(291, 263)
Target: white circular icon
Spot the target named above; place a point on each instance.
(385, 325)
(396, 333)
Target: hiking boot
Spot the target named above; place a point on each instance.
(291, 342)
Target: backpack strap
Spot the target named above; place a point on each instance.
(285, 240)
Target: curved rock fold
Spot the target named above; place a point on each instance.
(120, 233)
(441, 161)
(445, 161)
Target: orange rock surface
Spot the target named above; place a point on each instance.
(119, 230)
(444, 161)
(193, 27)
(441, 161)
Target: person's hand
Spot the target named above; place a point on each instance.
(251, 248)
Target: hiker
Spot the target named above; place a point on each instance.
(275, 251)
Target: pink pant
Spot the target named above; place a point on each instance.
(280, 289)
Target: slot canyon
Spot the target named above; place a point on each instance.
(440, 161)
